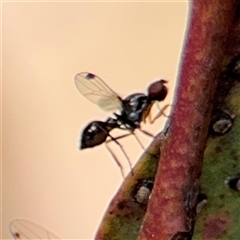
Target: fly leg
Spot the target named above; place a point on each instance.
(138, 140)
(160, 113)
(121, 147)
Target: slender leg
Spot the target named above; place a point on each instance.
(115, 159)
(145, 132)
(157, 104)
(118, 137)
(149, 117)
(134, 134)
(160, 113)
(121, 147)
(138, 140)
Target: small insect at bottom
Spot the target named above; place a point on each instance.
(143, 194)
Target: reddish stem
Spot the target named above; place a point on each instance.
(172, 207)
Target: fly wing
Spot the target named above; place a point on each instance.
(24, 229)
(97, 91)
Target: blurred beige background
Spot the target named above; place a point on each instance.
(46, 178)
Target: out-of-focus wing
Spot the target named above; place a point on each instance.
(24, 229)
(97, 91)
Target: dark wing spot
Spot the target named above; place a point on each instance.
(17, 235)
(90, 76)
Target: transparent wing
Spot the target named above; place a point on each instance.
(24, 229)
(97, 91)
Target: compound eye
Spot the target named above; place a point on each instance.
(157, 91)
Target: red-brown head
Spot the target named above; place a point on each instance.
(157, 91)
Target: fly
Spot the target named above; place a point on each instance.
(128, 113)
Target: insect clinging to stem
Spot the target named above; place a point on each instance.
(128, 113)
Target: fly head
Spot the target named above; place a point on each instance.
(157, 91)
